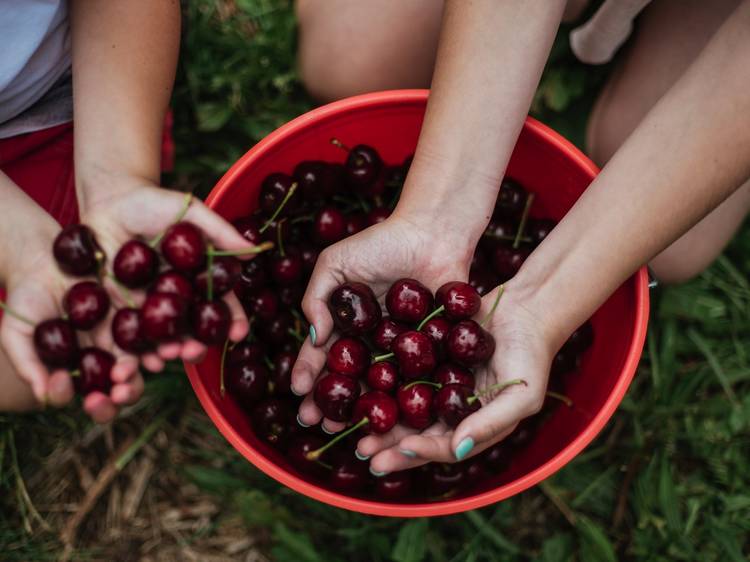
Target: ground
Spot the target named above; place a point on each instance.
(667, 479)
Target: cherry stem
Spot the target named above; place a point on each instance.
(263, 247)
(75, 373)
(222, 388)
(178, 218)
(122, 289)
(337, 143)
(499, 387)
(302, 218)
(15, 314)
(561, 397)
(279, 238)
(415, 383)
(283, 203)
(383, 357)
(500, 291)
(315, 455)
(210, 275)
(430, 316)
(524, 218)
(268, 363)
(296, 335)
(506, 237)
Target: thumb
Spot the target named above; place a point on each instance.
(220, 231)
(315, 301)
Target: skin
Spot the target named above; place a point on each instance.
(124, 58)
(635, 209)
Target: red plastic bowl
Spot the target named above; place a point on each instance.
(543, 162)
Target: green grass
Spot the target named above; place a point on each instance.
(667, 479)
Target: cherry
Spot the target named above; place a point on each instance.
(356, 222)
(380, 410)
(415, 403)
(76, 250)
(281, 378)
(452, 403)
(277, 329)
(415, 354)
(94, 368)
(291, 296)
(317, 179)
(271, 234)
(539, 229)
(382, 375)
(348, 356)
(127, 331)
(450, 373)
(247, 381)
(497, 457)
(377, 215)
(441, 479)
(394, 486)
(408, 300)
(460, 300)
(469, 344)
(354, 308)
(250, 227)
(475, 471)
(309, 255)
(245, 351)
(362, 166)
(211, 321)
(273, 420)
(523, 434)
(386, 331)
(175, 283)
(290, 344)
(350, 476)
(508, 260)
(135, 264)
(263, 303)
(335, 395)
(86, 303)
(287, 269)
(483, 280)
(164, 316)
(478, 260)
(437, 328)
(581, 339)
(56, 344)
(510, 199)
(329, 226)
(274, 190)
(299, 452)
(184, 247)
(499, 229)
(564, 362)
(252, 275)
(225, 273)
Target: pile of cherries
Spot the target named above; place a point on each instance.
(412, 366)
(184, 281)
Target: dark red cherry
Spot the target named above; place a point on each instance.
(273, 190)
(287, 269)
(539, 229)
(246, 381)
(135, 264)
(273, 420)
(317, 180)
(211, 321)
(450, 373)
(335, 395)
(354, 308)
(452, 403)
(441, 479)
(277, 329)
(281, 377)
(479, 260)
(355, 222)
(460, 300)
(291, 296)
(382, 375)
(523, 434)
(174, 283)
(253, 276)
(510, 200)
(350, 476)
(408, 301)
(469, 344)
(127, 331)
(271, 234)
(226, 272)
(386, 331)
(309, 255)
(56, 344)
(94, 371)
(164, 317)
(184, 247)
(394, 486)
(500, 229)
(483, 280)
(86, 303)
(377, 215)
(77, 251)
(437, 328)
(362, 166)
(250, 227)
(262, 303)
(329, 226)
(298, 450)
(565, 361)
(508, 260)
(379, 408)
(415, 354)
(498, 457)
(415, 404)
(581, 339)
(349, 356)
(245, 351)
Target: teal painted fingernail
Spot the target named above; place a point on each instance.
(377, 474)
(326, 430)
(464, 448)
(361, 457)
(408, 453)
(299, 421)
(313, 335)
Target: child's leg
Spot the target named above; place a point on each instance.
(671, 34)
(16, 395)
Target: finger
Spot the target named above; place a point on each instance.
(17, 340)
(60, 389)
(221, 233)
(152, 362)
(124, 369)
(432, 444)
(373, 444)
(331, 427)
(169, 351)
(309, 413)
(392, 460)
(240, 325)
(309, 364)
(193, 351)
(127, 393)
(315, 300)
(99, 407)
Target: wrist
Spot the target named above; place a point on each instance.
(98, 185)
(32, 250)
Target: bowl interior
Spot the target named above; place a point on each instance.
(542, 163)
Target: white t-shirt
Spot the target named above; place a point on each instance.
(34, 56)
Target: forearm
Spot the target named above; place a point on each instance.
(124, 59)
(490, 58)
(689, 154)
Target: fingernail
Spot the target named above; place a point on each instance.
(377, 474)
(408, 453)
(313, 335)
(297, 393)
(299, 421)
(464, 448)
(361, 457)
(326, 430)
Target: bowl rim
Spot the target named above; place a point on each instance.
(399, 97)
